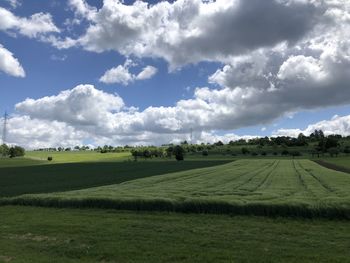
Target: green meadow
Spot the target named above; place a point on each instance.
(89, 207)
(32, 234)
(259, 187)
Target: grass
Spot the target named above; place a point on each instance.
(343, 161)
(77, 156)
(29, 234)
(31, 176)
(259, 187)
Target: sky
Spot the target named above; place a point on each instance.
(96, 72)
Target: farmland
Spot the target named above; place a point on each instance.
(260, 187)
(20, 176)
(231, 210)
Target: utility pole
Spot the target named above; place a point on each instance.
(4, 132)
(191, 136)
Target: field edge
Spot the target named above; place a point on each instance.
(192, 206)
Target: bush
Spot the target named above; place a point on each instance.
(205, 153)
(263, 153)
(254, 154)
(49, 158)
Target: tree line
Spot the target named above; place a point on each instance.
(14, 151)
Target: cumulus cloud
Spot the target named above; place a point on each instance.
(95, 111)
(190, 31)
(337, 125)
(9, 64)
(82, 106)
(34, 26)
(37, 133)
(278, 56)
(122, 75)
(312, 73)
(104, 118)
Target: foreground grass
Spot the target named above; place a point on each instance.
(73, 235)
(258, 187)
(29, 176)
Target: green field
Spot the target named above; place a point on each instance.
(78, 156)
(260, 187)
(21, 176)
(37, 235)
(342, 161)
(284, 192)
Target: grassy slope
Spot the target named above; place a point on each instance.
(67, 235)
(31, 176)
(79, 156)
(343, 161)
(286, 186)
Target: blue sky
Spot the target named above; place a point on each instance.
(285, 62)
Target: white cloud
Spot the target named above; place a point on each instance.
(122, 75)
(34, 26)
(58, 57)
(104, 119)
(9, 64)
(82, 106)
(337, 125)
(301, 67)
(82, 8)
(34, 133)
(147, 73)
(190, 31)
(97, 112)
(14, 3)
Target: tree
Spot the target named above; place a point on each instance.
(331, 142)
(4, 150)
(284, 152)
(169, 151)
(179, 153)
(295, 153)
(147, 154)
(245, 150)
(134, 153)
(16, 151)
(333, 151)
(219, 143)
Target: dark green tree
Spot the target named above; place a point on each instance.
(179, 153)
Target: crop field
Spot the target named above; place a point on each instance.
(260, 187)
(23, 176)
(129, 207)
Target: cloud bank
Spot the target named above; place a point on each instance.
(85, 113)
